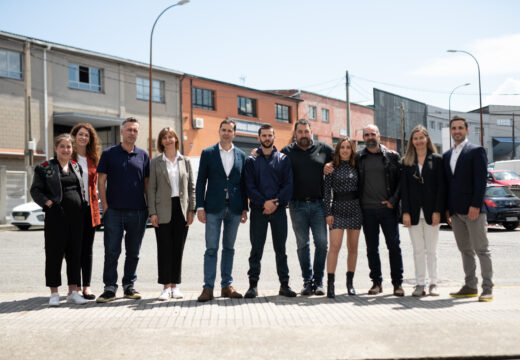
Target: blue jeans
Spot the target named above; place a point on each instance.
(387, 219)
(310, 215)
(258, 235)
(131, 223)
(213, 225)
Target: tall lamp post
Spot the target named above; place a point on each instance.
(449, 103)
(479, 94)
(150, 145)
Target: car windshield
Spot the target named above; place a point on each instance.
(506, 175)
(499, 191)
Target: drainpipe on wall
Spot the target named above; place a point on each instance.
(181, 117)
(45, 105)
(191, 101)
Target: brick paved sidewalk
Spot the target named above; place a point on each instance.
(267, 327)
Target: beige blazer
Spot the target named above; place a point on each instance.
(160, 190)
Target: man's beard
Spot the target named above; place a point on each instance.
(371, 144)
(304, 141)
(266, 144)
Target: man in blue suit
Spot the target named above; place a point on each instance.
(221, 199)
(465, 167)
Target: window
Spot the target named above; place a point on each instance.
(313, 112)
(282, 113)
(440, 125)
(325, 115)
(142, 87)
(246, 106)
(10, 64)
(203, 98)
(432, 125)
(84, 78)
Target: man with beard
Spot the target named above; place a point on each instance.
(308, 158)
(269, 185)
(379, 171)
(465, 167)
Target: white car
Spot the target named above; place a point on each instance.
(27, 215)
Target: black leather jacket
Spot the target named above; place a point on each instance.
(47, 185)
(392, 164)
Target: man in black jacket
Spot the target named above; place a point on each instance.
(379, 172)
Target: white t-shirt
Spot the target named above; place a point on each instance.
(82, 161)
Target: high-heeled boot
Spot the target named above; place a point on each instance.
(350, 285)
(330, 286)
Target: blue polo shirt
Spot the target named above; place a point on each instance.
(126, 173)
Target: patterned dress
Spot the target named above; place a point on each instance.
(347, 213)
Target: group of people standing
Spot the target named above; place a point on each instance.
(339, 188)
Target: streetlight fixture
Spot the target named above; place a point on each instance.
(479, 94)
(150, 145)
(449, 103)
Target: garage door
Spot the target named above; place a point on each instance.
(246, 143)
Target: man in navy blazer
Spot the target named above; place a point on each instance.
(465, 168)
(221, 199)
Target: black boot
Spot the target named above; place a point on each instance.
(285, 290)
(330, 286)
(350, 285)
(252, 292)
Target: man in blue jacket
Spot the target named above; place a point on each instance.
(465, 167)
(223, 201)
(269, 186)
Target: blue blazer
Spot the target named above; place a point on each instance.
(467, 186)
(211, 173)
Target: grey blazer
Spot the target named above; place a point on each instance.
(159, 189)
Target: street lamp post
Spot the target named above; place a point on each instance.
(479, 94)
(150, 145)
(449, 103)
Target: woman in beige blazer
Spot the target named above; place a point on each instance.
(171, 204)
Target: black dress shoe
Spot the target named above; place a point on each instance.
(285, 290)
(307, 289)
(89, 296)
(251, 293)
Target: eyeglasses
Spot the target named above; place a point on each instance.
(418, 177)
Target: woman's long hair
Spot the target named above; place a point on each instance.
(337, 158)
(411, 154)
(93, 147)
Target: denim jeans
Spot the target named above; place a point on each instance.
(305, 216)
(131, 223)
(258, 235)
(213, 225)
(387, 219)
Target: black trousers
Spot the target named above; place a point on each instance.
(86, 248)
(171, 238)
(63, 233)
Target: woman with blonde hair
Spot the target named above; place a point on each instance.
(422, 198)
(58, 189)
(171, 204)
(86, 152)
(343, 211)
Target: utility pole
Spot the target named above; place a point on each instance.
(402, 128)
(514, 145)
(348, 103)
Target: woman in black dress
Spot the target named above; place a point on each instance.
(343, 211)
(58, 189)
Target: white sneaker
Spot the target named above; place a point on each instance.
(75, 298)
(165, 295)
(54, 300)
(176, 293)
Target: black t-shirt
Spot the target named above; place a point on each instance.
(307, 166)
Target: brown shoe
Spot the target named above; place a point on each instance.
(207, 295)
(229, 292)
(399, 291)
(376, 288)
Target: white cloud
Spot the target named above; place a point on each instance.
(496, 56)
(510, 86)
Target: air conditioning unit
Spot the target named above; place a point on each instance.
(198, 123)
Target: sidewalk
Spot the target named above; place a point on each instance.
(269, 326)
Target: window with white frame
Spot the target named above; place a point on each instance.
(325, 115)
(432, 125)
(84, 77)
(440, 125)
(142, 88)
(313, 112)
(282, 113)
(11, 64)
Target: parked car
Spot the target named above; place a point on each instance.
(503, 206)
(27, 215)
(505, 177)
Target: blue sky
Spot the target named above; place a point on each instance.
(397, 46)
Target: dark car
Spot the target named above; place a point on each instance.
(503, 206)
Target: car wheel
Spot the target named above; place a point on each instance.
(23, 227)
(511, 225)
